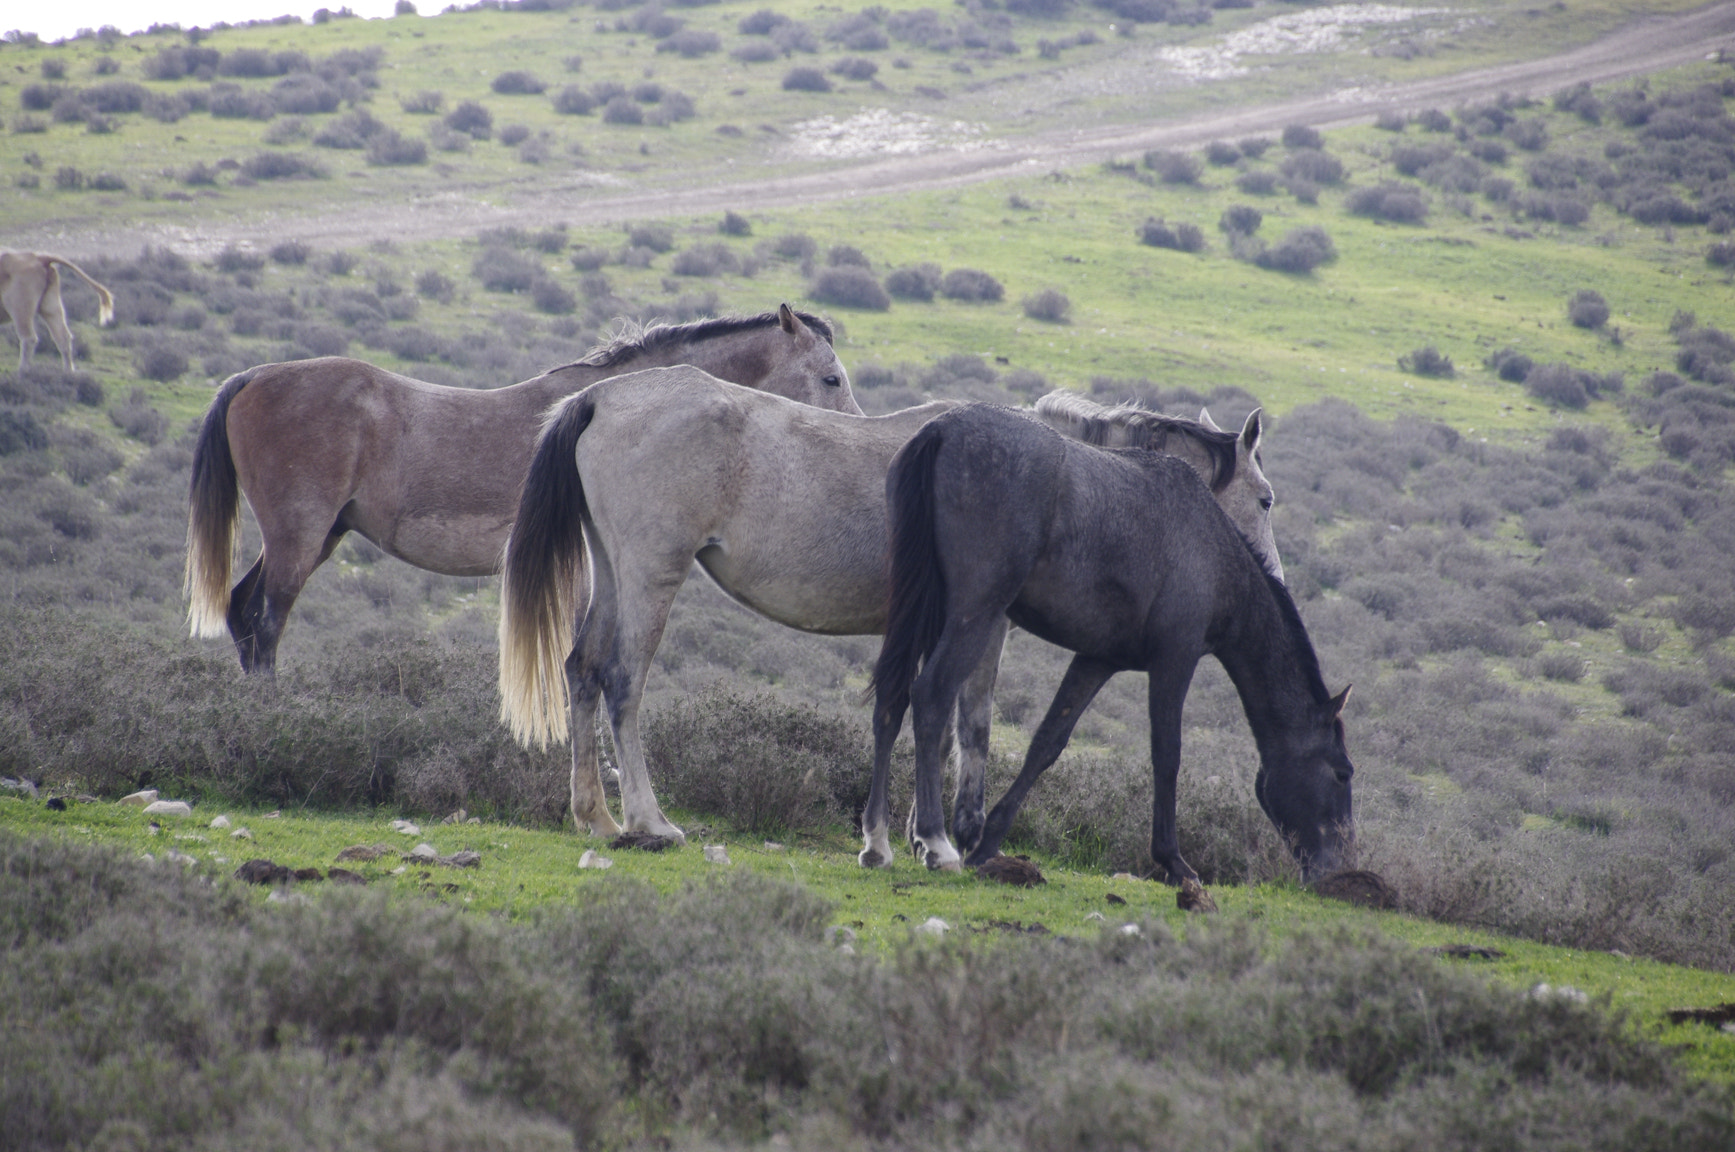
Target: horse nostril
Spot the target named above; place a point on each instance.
(832, 381)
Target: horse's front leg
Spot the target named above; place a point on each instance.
(975, 720)
(1168, 693)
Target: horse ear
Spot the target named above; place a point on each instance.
(1251, 431)
(786, 316)
(1338, 701)
(1205, 419)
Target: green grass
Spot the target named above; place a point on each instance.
(525, 870)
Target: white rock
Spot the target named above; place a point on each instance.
(406, 828)
(424, 852)
(473, 820)
(215, 859)
(147, 858)
(140, 799)
(934, 926)
(279, 896)
(400, 870)
(1123, 876)
(271, 816)
(179, 858)
(1563, 992)
(1095, 916)
(591, 859)
(193, 836)
(849, 950)
(168, 808)
(773, 846)
(241, 834)
(717, 854)
(1130, 930)
(840, 935)
(220, 822)
(455, 818)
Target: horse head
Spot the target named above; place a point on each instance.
(1304, 788)
(808, 370)
(1248, 497)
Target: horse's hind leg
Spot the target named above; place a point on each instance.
(645, 592)
(975, 720)
(584, 668)
(259, 604)
(53, 312)
(1083, 680)
(876, 817)
(933, 700)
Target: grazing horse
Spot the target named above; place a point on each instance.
(1122, 557)
(429, 474)
(30, 287)
(783, 506)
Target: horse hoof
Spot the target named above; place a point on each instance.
(942, 862)
(872, 858)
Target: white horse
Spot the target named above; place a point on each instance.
(30, 287)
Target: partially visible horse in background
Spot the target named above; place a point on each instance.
(30, 287)
(784, 506)
(429, 474)
(1123, 558)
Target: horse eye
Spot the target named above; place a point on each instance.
(832, 381)
(1343, 774)
(1265, 502)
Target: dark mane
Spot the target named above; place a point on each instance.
(636, 341)
(1095, 424)
(1298, 637)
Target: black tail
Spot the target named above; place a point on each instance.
(917, 609)
(541, 577)
(213, 514)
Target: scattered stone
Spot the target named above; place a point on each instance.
(86, 798)
(643, 841)
(180, 858)
(263, 872)
(308, 874)
(280, 896)
(1723, 1016)
(717, 854)
(838, 935)
(1015, 870)
(1017, 928)
(934, 926)
(1465, 952)
(140, 799)
(1113, 899)
(1356, 886)
(474, 820)
(147, 858)
(456, 817)
(241, 834)
(153, 828)
(591, 859)
(400, 870)
(215, 859)
(220, 822)
(365, 852)
(1193, 898)
(168, 808)
(1095, 916)
(1562, 992)
(406, 828)
(271, 816)
(1123, 876)
(345, 876)
(423, 851)
(1131, 930)
(464, 859)
(773, 846)
(24, 786)
(55, 804)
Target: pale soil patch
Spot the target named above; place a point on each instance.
(1295, 34)
(882, 132)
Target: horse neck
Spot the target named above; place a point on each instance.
(1270, 665)
(731, 356)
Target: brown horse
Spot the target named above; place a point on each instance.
(30, 287)
(429, 474)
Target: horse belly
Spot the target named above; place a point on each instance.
(832, 604)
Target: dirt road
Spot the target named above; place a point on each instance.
(1644, 46)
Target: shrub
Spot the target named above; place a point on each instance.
(692, 43)
(1510, 365)
(472, 119)
(1242, 219)
(232, 260)
(550, 297)
(281, 166)
(1587, 309)
(502, 270)
(1222, 153)
(656, 237)
(160, 362)
(735, 224)
(914, 282)
(1389, 121)
(389, 147)
(1395, 202)
(107, 182)
(705, 260)
(1257, 182)
(589, 259)
(1301, 136)
(805, 80)
(794, 246)
(233, 102)
(1530, 135)
(841, 254)
(968, 284)
(1426, 361)
(435, 286)
(1179, 237)
(1313, 166)
(1300, 250)
(622, 110)
(855, 68)
(1557, 384)
(849, 286)
(1173, 167)
(427, 102)
(517, 83)
(1434, 120)
(761, 23)
(755, 52)
(1720, 254)
(513, 134)
(1049, 305)
(573, 100)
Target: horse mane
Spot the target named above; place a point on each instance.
(1131, 425)
(1298, 637)
(633, 340)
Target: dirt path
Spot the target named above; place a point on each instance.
(1645, 46)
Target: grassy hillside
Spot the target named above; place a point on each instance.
(1518, 557)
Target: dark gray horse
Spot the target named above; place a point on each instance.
(1122, 557)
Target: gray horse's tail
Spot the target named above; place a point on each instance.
(917, 609)
(213, 516)
(541, 579)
